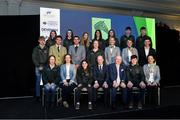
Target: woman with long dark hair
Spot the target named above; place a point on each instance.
(84, 80)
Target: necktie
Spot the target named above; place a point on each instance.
(58, 48)
(76, 49)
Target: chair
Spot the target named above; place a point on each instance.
(135, 90)
(84, 91)
(58, 96)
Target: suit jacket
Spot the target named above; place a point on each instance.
(142, 55)
(78, 56)
(110, 57)
(100, 75)
(156, 73)
(72, 72)
(125, 55)
(113, 73)
(58, 54)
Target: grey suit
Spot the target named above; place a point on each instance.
(78, 56)
(110, 56)
(155, 70)
(125, 55)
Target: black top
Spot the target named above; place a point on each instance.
(92, 56)
(135, 74)
(84, 77)
(40, 56)
(67, 43)
(140, 41)
(124, 39)
(51, 75)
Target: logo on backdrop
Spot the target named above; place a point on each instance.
(49, 20)
(102, 24)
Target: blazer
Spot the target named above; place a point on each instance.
(125, 56)
(113, 73)
(58, 54)
(156, 73)
(101, 75)
(72, 72)
(142, 55)
(110, 57)
(78, 56)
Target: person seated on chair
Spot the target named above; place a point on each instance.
(136, 78)
(51, 79)
(117, 78)
(100, 79)
(152, 76)
(68, 76)
(84, 80)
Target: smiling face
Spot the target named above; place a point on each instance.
(151, 59)
(134, 61)
(118, 60)
(53, 34)
(58, 41)
(100, 60)
(52, 60)
(129, 43)
(76, 40)
(112, 41)
(68, 59)
(84, 64)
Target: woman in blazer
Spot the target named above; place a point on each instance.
(68, 76)
(152, 77)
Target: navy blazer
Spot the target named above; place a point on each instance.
(101, 76)
(113, 73)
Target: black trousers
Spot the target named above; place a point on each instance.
(140, 95)
(124, 95)
(106, 93)
(152, 95)
(67, 91)
(78, 93)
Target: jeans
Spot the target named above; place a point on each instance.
(38, 79)
(50, 91)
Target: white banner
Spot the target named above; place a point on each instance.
(49, 20)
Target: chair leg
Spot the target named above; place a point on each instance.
(159, 98)
(43, 97)
(74, 96)
(110, 97)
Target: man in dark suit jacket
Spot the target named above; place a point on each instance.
(145, 51)
(117, 78)
(100, 76)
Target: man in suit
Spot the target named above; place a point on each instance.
(77, 51)
(145, 51)
(128, 52)
(100, 77)
(58, 50)
(111, 52)
(117, 78)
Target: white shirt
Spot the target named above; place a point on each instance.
(129, 55)
(146, 51)
(100, 66)
(67, 71)
(58, 46)
(118, 79)
(111, 49)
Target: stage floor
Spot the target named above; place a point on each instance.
(29, 108)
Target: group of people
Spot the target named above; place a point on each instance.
(112, 64)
